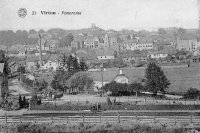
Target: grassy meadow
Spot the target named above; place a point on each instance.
(181, 77)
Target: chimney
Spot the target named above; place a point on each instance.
(120, 71)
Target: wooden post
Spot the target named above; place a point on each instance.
(34, 119)
(136, 119)
(6, 118)
(185, 101)
(51, 119)
(175, 119)
(154, 119)
(20, 119)
(83, 119)
(191, 119)
(66, 119)
(118, 118)
(100, 118)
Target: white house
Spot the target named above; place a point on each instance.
(196, 52)
(22, 53)
(105, 57)
(138, 45)
(52, 63)
(105, 54)
(158, 54)
(36, 54)
(121, 78)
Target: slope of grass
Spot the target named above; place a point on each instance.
(181, 77)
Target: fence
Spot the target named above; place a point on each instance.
(127, 99)
(195, 120)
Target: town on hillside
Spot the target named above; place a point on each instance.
(66, 71)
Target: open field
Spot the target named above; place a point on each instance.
(181, 77)
(142, 100)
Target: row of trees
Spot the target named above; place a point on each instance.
(23, 37)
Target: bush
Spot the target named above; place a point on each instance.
(11, 103)
(192, 93)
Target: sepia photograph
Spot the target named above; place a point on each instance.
(100, 66)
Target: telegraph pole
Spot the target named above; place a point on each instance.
(102, 78)
(40, 49)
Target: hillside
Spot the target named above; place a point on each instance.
(181, 77)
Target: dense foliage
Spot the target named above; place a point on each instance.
(80, 82)
(156, 81)
(70, 66)
(5, 75)
(192, 93)
(119, 89)
(37, 85)
(11, 103)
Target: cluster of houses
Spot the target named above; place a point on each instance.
(106, 46)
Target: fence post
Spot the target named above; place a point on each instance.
(51, 119)
(136, 119)
(118, 118)
(66, 118)
(20, 119)
(100, 118)
(154, 119)
(34, 119)
(83, 119)
(185, 101)
(191, 119)
(6, 118)
(175, 119)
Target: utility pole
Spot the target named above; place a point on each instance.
(102, 78)
(40, 49)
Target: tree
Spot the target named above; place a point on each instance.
(116, 88)
(60, 78)
(192, 93)
(80, 81)
(4, 76)
(161, 31)
(21, 69)
(155, 79)
(68, 39)
(135, 87)
(83, 66)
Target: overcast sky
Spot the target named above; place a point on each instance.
(106, 14)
